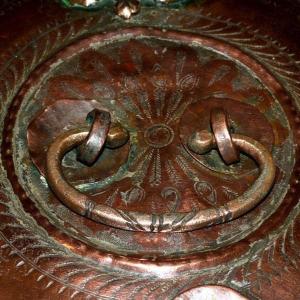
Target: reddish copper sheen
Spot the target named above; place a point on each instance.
(127, 8)
(220, 128)
(140, 221)
(90, 149)
(211, 292)
(66, 114)
(263, 265)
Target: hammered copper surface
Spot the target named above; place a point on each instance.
(220, 139)
(159, 74)
(221, 130)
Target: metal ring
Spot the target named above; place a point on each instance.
(219, 125)
(177, 222)
(91, 147)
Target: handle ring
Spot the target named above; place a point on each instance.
(89, 150)
(219, 125)
(167, 222)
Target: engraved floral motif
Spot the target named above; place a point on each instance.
(147, 85)
(262, 264)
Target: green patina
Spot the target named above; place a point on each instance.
(99, 4)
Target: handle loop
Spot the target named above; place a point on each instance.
(167, 222)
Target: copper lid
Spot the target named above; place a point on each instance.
(158, 80)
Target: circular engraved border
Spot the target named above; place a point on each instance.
(160, 144)
(19, 226)
(225, 237)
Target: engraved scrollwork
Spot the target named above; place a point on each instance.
(135, 194)
(74, 275)
(206, 191)
(172, 193)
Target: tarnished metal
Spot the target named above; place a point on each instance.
(123, 8)
(127, 8)
(220, 128)
(89, 150)
(101, 133)
(159, 74)
(211, 292)
(178, 222)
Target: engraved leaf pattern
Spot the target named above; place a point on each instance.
(56, 267)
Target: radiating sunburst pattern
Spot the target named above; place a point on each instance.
(147, 85)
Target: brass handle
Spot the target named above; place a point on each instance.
(177, 222)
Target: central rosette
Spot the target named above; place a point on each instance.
(159, 135)
(148, 85)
